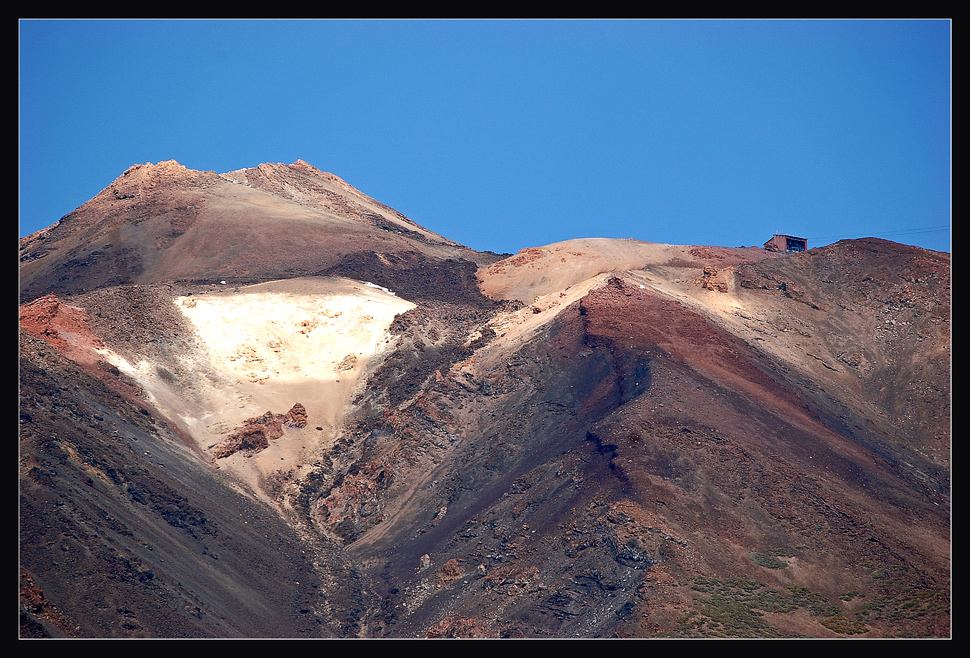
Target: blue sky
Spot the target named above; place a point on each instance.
(510, 134)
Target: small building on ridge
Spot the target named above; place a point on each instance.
(786, 243)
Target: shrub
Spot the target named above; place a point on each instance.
(843, 625)
(767, 561)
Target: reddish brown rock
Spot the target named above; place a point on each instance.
(254, 434)
(709, 280)
(296, 416)
(62, 326)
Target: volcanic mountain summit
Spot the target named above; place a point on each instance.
(263, 404)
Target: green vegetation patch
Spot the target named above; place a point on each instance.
(911, 603)
(816, 604)
(767, 560)
(843, 625)
(736, 607)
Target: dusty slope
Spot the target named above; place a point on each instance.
(551, 277)
(851, 318)
(539, 271)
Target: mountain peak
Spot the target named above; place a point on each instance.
(595, 438)
(306, 167)
(162, 222)
(164, 170)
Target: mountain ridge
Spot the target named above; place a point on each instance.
(167, 222)
(592, 438)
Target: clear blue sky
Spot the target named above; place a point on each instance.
(509, 134)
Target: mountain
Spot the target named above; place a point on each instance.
(263, 404)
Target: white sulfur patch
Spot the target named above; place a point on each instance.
(277, 337)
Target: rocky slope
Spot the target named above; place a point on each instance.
(263, 404)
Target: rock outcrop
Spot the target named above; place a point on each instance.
(255, 434)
